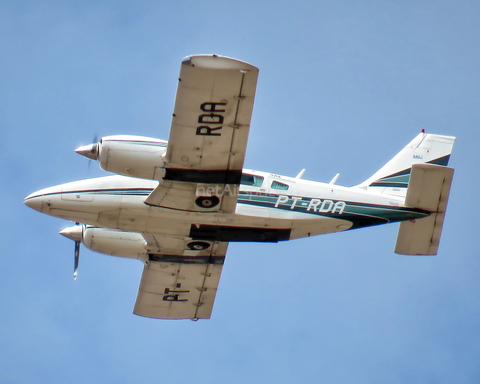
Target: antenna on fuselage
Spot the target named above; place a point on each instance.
(334, 180)
(300, 174)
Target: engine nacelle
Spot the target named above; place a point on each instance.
(134, 156)
(115, 243)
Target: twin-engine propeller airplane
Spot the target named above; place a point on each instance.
(179, 203)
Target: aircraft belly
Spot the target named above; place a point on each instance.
(321, 226)
(302, 224)
(81, 217)
(170, 222)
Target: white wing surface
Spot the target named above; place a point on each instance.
(209, 133)
(181, 285)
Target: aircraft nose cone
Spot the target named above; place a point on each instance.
(41, 200)
(34, 201)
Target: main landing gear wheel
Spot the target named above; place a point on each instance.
(198, 245)
(207, 201)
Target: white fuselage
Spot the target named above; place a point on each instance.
(306, 208)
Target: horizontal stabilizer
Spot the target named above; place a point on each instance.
(428, 189)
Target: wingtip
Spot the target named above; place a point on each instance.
(214, 61)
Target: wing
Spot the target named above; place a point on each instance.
(209, 134)
(180, 282)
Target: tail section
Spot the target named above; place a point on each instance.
(393, 177)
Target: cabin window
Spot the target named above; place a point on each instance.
(277, 185)
(254, 181)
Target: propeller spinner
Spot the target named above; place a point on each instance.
(90, 151)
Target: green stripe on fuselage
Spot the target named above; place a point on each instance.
(360, 214)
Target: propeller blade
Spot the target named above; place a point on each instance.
(76, 234)
(77, 258)
(94, 141)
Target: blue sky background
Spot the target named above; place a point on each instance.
(343, 86)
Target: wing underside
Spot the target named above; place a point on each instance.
(173, 288)
(209, 134)
(180, 278)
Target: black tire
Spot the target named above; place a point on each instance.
(207, 201)
(198, 245)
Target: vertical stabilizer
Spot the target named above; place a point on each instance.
(393, 177)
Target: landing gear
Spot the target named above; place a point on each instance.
(207, 201)
(198, 245)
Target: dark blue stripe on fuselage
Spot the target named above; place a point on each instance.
(388, 184)
(384, 181)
